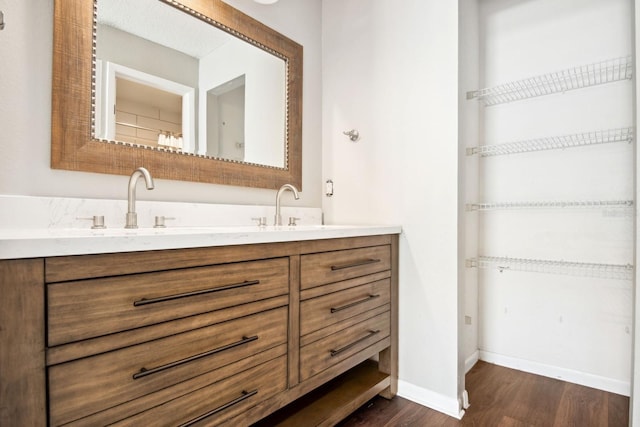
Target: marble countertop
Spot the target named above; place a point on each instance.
(32, 243)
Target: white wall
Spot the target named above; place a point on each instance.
(570, 327)
(635, 379)
(469, 136)
(25, 110)
(392, 73)
(225, 123)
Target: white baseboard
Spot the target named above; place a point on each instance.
(564, 374)
(430, 399)
(471, 361)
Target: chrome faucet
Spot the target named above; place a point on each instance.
(132, 216)
(278, 217)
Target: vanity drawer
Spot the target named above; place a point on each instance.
(88, 385)
(322, 354)
(90, 308)
(328, 267)
(320, 312)
(216, 403)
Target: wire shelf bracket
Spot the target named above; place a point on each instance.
(598, 73)
(584, 269)
(608, 136)
(594, 204)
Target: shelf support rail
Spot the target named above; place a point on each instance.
(557, 82)
(555, 142)
(550, 204)
(585, 269)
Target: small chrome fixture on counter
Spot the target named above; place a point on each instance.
(278, 217)
(160, 221)
(292, 221)
(353, 134)
(260, 221)
(132, 216)
(97, 221)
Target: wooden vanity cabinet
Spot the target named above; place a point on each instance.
(23, 397)
(346, 349)
(204, 336)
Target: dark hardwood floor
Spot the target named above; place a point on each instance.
(503, 397)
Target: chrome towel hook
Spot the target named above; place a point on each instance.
(1, 20)
(352, 134)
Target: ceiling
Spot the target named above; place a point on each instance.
(163, 24)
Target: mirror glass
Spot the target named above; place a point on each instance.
(166, 80)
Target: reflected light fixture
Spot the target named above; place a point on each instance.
(265, 1)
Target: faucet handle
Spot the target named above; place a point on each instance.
(262, 221)
(160, 219)
(98, 221)
(292, 221)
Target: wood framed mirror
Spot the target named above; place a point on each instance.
(75, 144)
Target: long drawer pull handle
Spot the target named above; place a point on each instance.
(145, 301)
(144, 371)
(245, 395)
(354, 264)
(352, 304)
(348, 346)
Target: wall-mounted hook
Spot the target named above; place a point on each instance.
(1, 20)
(353, 134)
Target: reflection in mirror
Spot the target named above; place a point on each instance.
(225, 120)
(181, 84)
(142, 110)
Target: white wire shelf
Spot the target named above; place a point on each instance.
(555, 142)
(557, 82)
(593, 204)
(584, 269)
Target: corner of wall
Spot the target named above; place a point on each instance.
(430, 399)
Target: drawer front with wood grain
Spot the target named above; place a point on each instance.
(320, 355)
(328, 267)
(216, 403)
(88, 385)
(320, 312)
(91, 308)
